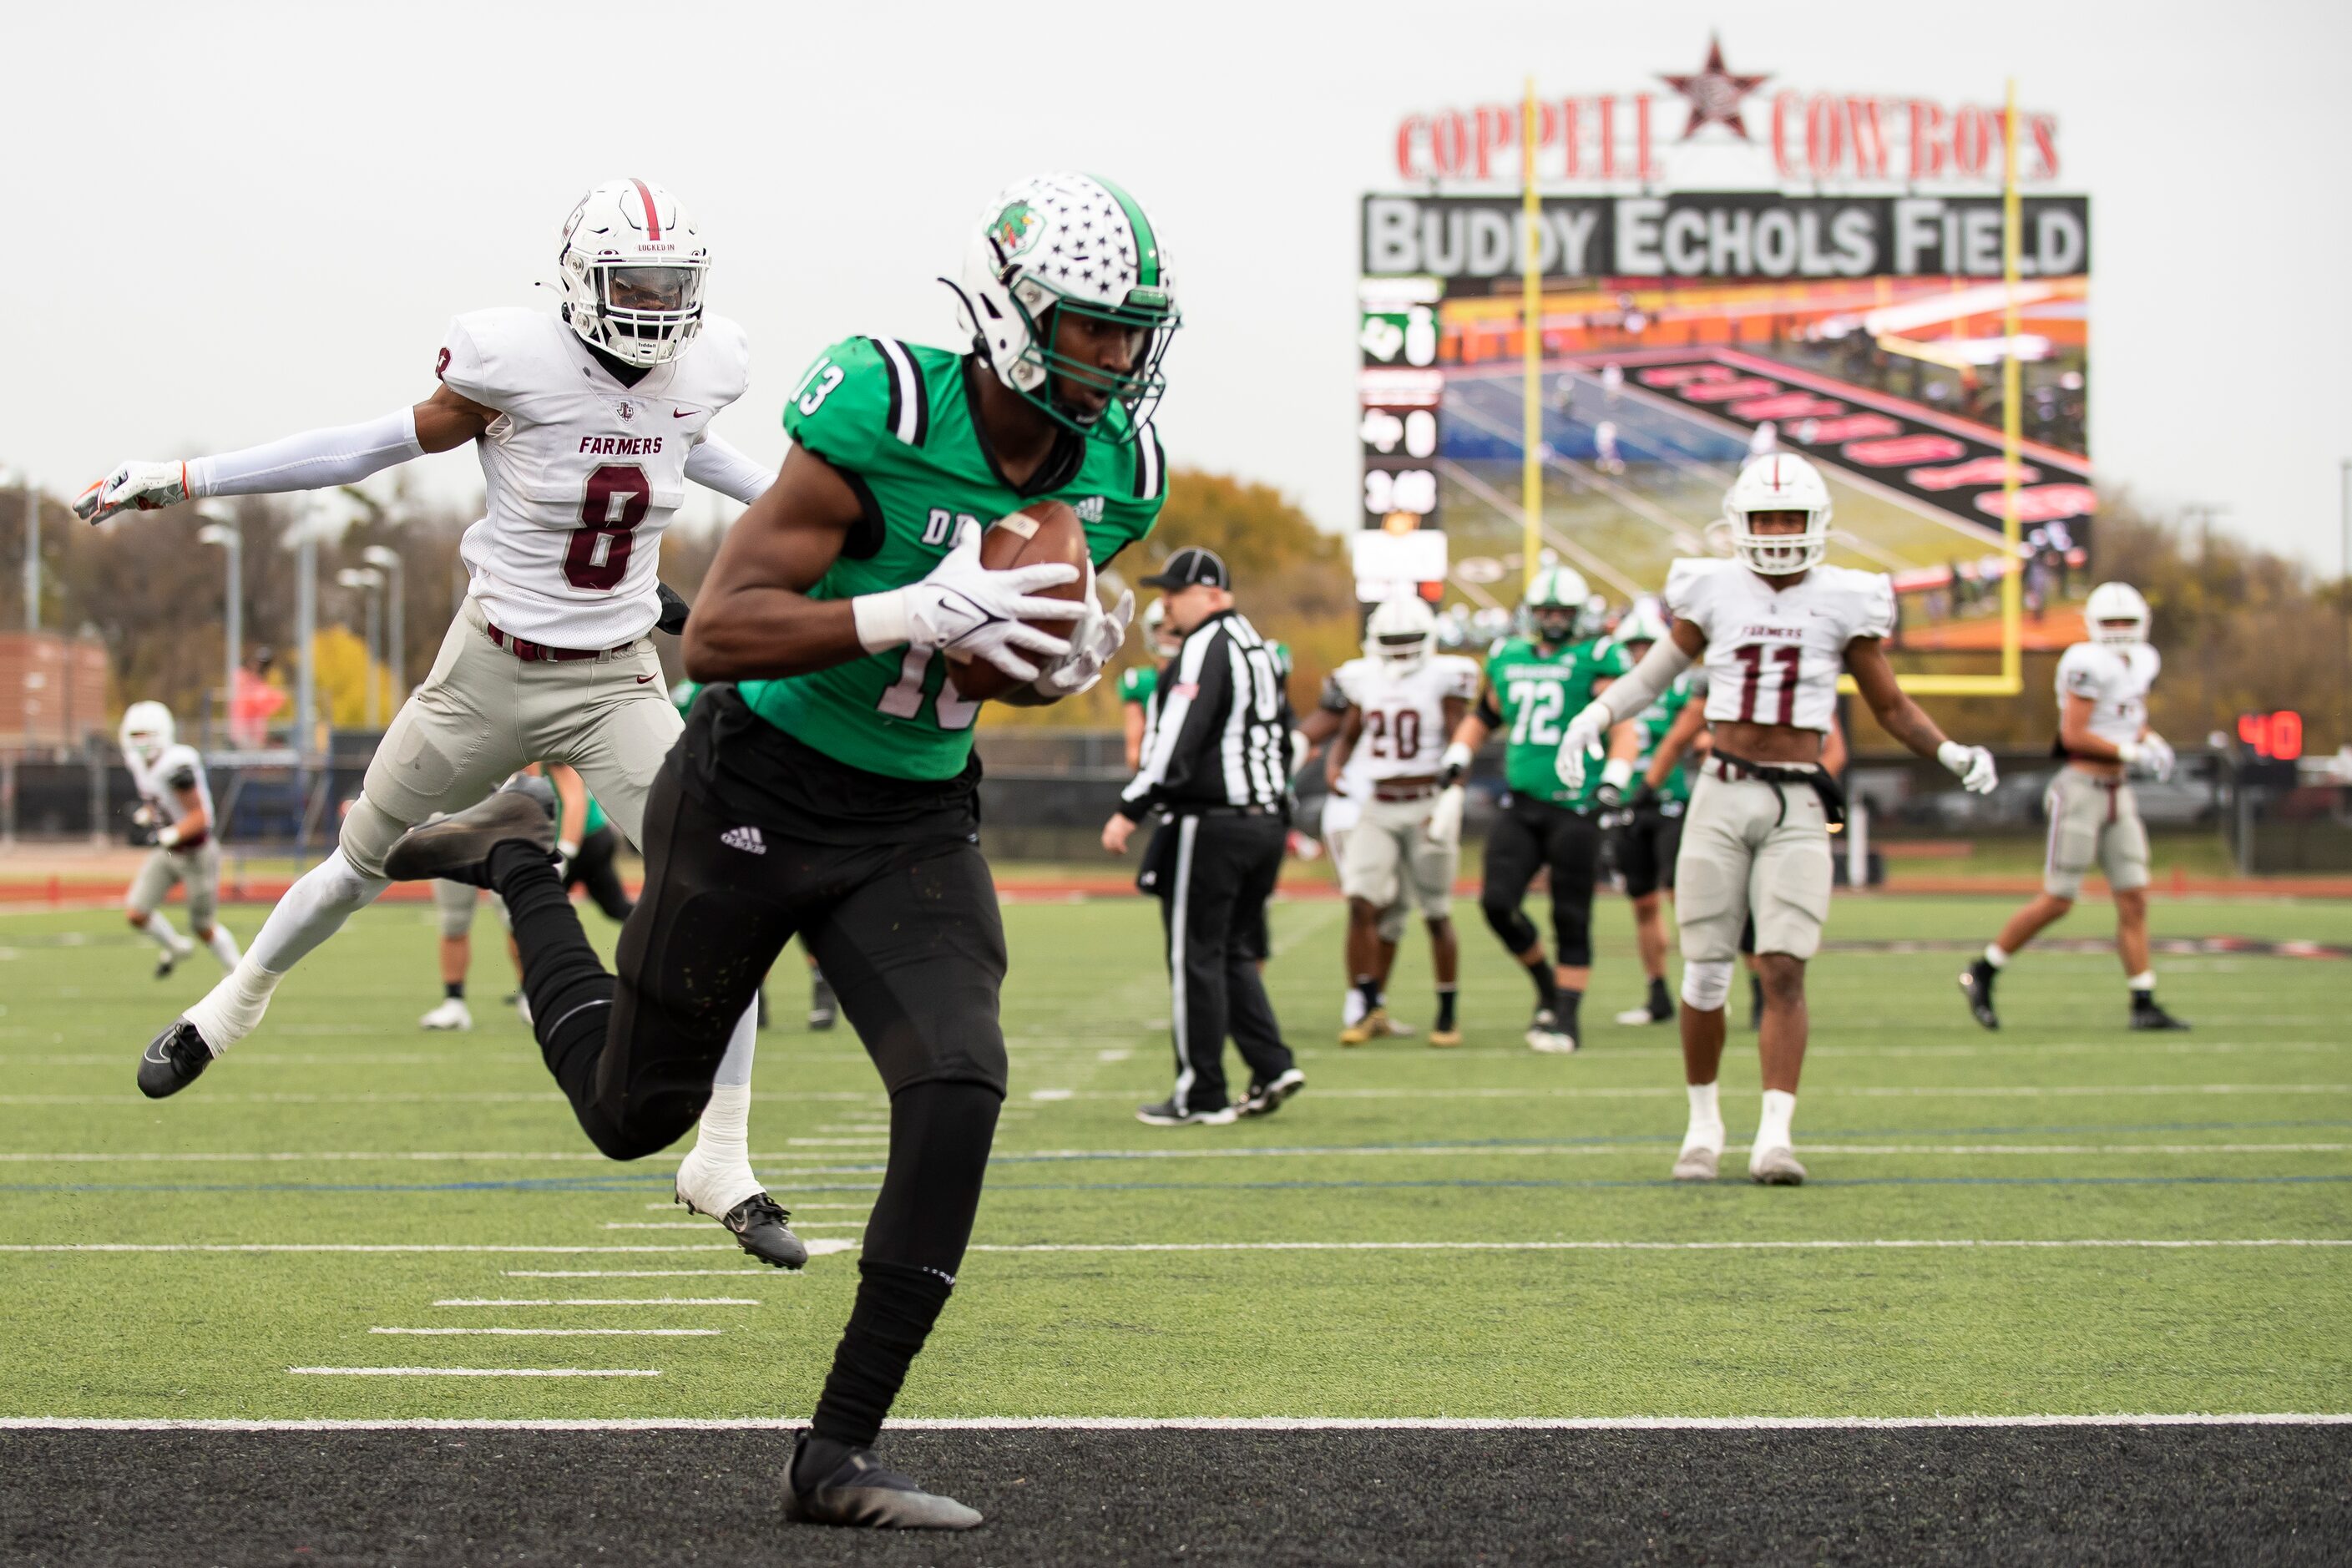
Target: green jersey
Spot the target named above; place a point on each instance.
(595, 819)
(1536, 694)
(1138, 684)
(897, 419)
(1655, 721)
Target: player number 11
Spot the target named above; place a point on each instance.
(1789, 656)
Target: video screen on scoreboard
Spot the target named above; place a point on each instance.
(1697, 331)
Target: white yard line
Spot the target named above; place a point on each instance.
(466, 1371)
(702, 1223)
(1151, 1423)
(560, 1333)
(648, 1273)
(1859, 1246)
(599, 1301)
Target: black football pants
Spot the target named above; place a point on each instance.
(1529, 836)
(594, 868)
(1220, 870)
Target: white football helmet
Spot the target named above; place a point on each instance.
(148, 730)
(1400, 634)
(1074, 241)
(2116, 615)
(1559, 606)
(1645, 622)
(632, 267)
(1780, 481)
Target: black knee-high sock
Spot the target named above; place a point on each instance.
(571, 995)
(939, 1137)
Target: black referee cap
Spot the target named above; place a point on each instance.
(1190, 567)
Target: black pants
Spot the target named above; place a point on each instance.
(1645, 850)
(1220, 871)
(1529, 836)
(908, 931)
(594, 868)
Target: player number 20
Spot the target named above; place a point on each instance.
(619, 496)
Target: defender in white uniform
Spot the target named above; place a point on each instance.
(588, 427)
(1404, 701)
(2103, 687)
(176, 802)
(1343, 806)
(1775, 627)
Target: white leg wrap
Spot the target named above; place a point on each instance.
(224, 946)
(159, 931)
(1707, 983)
(314, 909)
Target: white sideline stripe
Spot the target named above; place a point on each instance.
(699, 1224)
(1634, 1245)
(1864, 1091)
(600, 1301)
(817, 1247)
(1147, 1423)
(362, 1156)
(463, 1371)
(561, 1333)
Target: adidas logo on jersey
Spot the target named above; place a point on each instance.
(747, 839)
(1090, 510)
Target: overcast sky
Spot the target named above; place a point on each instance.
(238, 221)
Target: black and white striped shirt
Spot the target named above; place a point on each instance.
(1220, 736)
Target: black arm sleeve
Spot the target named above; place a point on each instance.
(1488, 714)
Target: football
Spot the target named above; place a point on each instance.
(1041, 533)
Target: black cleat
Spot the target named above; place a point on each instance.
(824, 1007)
(858, 1490)
(1168, 1113)
(673, 610)
(173, 1060)
(1265, 1099)
(1976, 984)
(2150, 1014)
(458, 847)
(763, 1227)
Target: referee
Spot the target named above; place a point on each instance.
(1217, 763)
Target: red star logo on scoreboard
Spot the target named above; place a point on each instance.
(1715, 93)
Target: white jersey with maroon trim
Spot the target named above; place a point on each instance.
(1775, 651)
(176, 768)
(2116, 680)
(1404, 714)
(580, 474)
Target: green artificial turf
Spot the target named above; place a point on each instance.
(1918, 1127)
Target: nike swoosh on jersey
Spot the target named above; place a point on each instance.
(643, 679)
(684, 413)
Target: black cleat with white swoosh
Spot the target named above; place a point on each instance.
(173, 1059)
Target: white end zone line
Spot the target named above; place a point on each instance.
(600, 1301)
(1143, 1422)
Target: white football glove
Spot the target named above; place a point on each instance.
(1444, 825)
(144, 486)
(2151, 752)
(1582, 737)
(1098, 636)
(1453, 763)
(963, 607)
(1972, 763)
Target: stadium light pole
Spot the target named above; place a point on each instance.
(18, 477)
(303, 537)
(369, 582)
(387, 560)
(221, 528)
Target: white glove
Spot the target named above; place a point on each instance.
(168, 836)
(963, 607)
(1583, 737)
(146, 486)
(145, 817)
(1972, 763)
(1444, 825)
(2150, 752)
(1100, 634)
(1453, 763)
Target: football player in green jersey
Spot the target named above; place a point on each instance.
(1533, 683)
(825, 783)
(1649, 827)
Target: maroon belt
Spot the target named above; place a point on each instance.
(1411, 789)
(525, 649)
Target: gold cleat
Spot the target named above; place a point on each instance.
(1364, 1028)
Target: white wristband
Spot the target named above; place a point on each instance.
(1955, 756)
(566, 850)
(881, 620)
(1617, 771)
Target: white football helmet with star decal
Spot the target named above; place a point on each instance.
(1073, 242)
